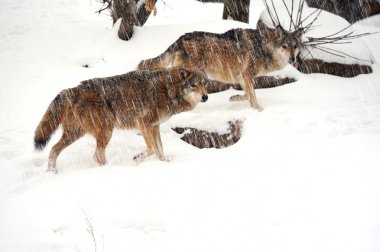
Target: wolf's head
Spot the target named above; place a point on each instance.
(192, 87)
(284, 45)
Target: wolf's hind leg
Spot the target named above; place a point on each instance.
(102, 140)
(69, 136)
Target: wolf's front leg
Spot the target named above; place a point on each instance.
(158, 149)
(147, 138)
(100, 156)
(153, 142)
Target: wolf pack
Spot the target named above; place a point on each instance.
(171, 83)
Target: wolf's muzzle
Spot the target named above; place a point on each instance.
(292, 60)
(204, 98)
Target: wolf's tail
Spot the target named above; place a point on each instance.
(165, 60)
(49, 122)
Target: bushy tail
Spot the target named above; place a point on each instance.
(49, 123)
(165, 60)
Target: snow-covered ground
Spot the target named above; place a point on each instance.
(304, 177)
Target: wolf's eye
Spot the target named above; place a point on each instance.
(193, 85)
(284, 46)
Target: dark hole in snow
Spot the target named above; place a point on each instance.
(86, 65)
(205, 139)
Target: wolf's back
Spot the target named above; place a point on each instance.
(179, 48)
(49, 122)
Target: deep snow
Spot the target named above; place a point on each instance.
(304, 177)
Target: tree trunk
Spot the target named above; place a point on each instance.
(131, 14)
(352, 10)
(236, 9)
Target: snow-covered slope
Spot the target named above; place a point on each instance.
(304, 177)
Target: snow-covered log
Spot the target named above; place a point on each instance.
(206, 139)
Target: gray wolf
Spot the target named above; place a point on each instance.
(138, 99)
(236, 56)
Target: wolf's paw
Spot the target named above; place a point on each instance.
(258, 108)
(238, 98)
(51, 166)
(100, 158)
(139, 157)
(166, 159)
(52, 169)
(142, 156)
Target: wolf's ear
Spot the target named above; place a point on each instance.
(262, 26)
(264, 30)
(185, 75)
(299, 32)
(279, 28)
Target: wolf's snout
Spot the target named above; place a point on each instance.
(204, 98)
(292, 60)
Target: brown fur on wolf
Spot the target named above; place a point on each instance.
(236, 56)
(139, 99)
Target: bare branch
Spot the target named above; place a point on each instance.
(318, 11)
(324, 39)
(275, 12)
(270, 13)
(290, 15)
(299, 13)
(336, 40)
(337, 52)
(106, 3)
(342, 30)
(90, 228)
(308, 52)
(317, 16)
(326, 51)
(291, 18)
(318, 43)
